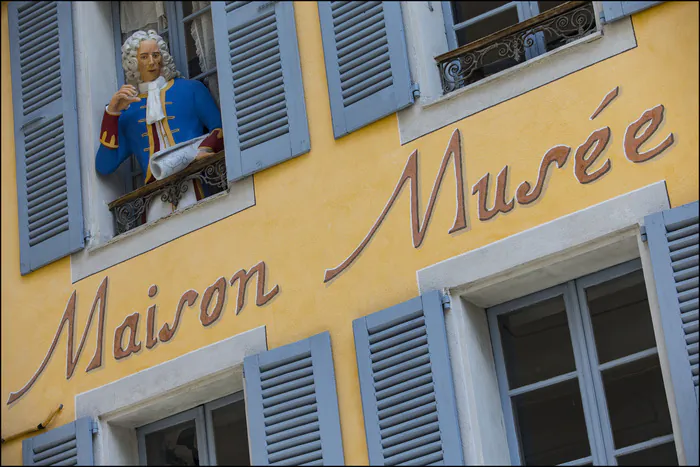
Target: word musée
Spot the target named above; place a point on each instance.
(637, 133)
(210, 310)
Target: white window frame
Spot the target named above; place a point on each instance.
(204, 423)
(185, 382)
(426, 38)
(96, 79)
(572, 246)
(587, 368)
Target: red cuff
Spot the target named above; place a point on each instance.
(215, 140)
(110, 131)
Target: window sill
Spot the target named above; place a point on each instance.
(512, 70)
(435, 110)
(100, 256)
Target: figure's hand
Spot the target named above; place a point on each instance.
(123, 98)
(202, 153)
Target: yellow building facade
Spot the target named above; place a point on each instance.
(335, 249)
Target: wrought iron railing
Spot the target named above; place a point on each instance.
(547, 31)
(130, 210)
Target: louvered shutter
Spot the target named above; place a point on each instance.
(366, 62)
(292, 405)
(70, 444)
(406, 385)
(673, 245)
(261, 92)
(613, 11)
(50, 211)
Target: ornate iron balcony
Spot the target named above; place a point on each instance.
(129, 210)
(516, 44)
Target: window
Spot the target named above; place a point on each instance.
(190, 41)
(211, 434)
(579, 374)
(493, 36)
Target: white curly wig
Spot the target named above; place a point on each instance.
(130, 63)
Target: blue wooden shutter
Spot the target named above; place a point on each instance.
(366, 62)
(69, 444)
(50, 208)
(408, 398)
(613, 11)
(261, 92)
(292, 405)
(673, 244)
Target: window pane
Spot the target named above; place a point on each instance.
(486, 26)
(544, 6)
(191, 7)
(659, 455)
(620, 316)
(536, 343)
(551, 425)
(176, 445)
(636, 402)
(231, 435)
(462, 11)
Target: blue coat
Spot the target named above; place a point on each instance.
(190, 112)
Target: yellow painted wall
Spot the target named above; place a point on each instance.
(312, 211)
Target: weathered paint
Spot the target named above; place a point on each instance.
(312, 211)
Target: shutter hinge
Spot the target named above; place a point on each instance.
(445, 300)
(415, 90)
(602, 16)
(643, 231)
(94, 427)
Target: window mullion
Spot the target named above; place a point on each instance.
(601, 427)
(586, 365)
(489, 14)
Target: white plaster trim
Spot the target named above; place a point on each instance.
(96, 81)
(425, 37)
(571, 246)
(171, 387)
(96, 257)
(525, 252)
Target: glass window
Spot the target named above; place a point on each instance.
(212, 434)
(489, 43)
(594, 332)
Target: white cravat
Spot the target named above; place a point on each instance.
(154, 107)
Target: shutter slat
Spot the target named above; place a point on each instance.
(257, 55)
(289, 447)
(432, 445)
(272, 421)
(30, 7)
(70, 444)
(48, 37)
(56, 202)
(430, 459)
(409, 425)
(418, 411)
(673, 245)
(422, 431)
(366, 62)
(293, 431)
(293, 421)
(57, 162)
(366, 9)
(406, 384)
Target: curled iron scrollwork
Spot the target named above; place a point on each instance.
(469, 67)
(131, 214)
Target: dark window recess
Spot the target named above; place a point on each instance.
(536, 343)
(551, 425)
(473, 59)
(606, 317)
(229, 424)
(486, 26)
(176, 445)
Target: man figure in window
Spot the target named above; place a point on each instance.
(167, 110)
